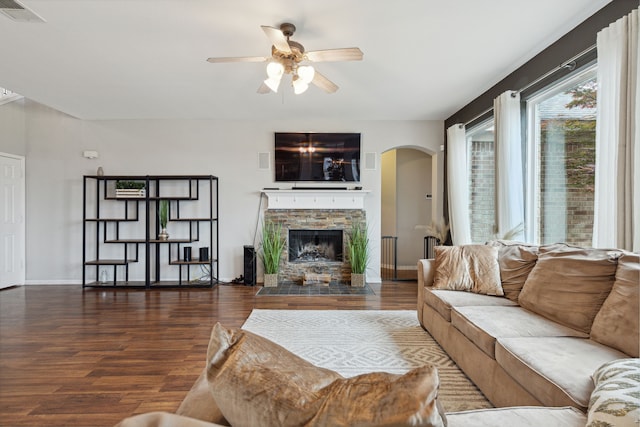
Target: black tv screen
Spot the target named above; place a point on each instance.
(317, 157)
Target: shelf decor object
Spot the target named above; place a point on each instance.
(127, 188)
(131, 223)
(163, 217)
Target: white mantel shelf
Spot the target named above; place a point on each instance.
(315, 199)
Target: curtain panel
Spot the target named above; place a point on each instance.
(616, 221)
(458, 185)
(509, 179)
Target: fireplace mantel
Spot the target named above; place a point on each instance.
(316, 199)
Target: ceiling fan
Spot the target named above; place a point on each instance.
(288, 57)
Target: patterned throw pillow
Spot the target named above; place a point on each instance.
(616, 398)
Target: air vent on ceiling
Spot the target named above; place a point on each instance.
(18, 12)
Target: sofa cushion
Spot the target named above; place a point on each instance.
(520, 416)
(616, 398)
(164, 419)
(516, 260)
(569, 284)
(471, 268)
(617, 324)
(482, 325)
(442, 300)
(257, 382)
(555, 370)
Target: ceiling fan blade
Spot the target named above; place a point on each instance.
(277, 38)
(263, 89)
(324, 83)
(238, 59)
(344, 54)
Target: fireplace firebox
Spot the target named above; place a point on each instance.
(315, 245)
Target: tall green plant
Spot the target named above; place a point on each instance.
(358, 248)
(163, 213)
(273, 243)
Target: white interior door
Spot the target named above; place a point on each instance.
(12, 221)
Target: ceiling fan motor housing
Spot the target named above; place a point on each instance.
(287, 29)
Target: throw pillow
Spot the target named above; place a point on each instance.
(569, 284)
(471, 268)
(257, 382)
(617, 324)
(516, 261)
(615, 401)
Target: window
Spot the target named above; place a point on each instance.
(561, 161)
(481, 155)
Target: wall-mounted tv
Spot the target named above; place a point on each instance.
(317, 157)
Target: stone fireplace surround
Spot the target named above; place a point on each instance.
(314, 219)
(315, 210)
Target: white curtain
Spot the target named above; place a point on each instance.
(616, 221)
(508, 152)
(458, 185)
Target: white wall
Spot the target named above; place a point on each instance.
(388, 193)
(227, 149)
(13, 137)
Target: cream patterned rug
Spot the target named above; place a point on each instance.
(353, 342)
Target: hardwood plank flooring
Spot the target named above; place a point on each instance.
(70, 357)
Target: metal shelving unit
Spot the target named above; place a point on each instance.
(99, 231)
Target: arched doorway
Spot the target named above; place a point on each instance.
(406, 207)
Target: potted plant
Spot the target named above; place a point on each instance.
(273, 243)
(163, 217)
(358, 253)
(130, 188)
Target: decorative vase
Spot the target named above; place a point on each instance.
(270, 280)
(163, 235)
(357, 280)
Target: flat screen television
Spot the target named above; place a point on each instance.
(317, 157)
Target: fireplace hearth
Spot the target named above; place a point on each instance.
(315, 245)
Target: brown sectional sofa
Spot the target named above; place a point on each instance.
(564, 313)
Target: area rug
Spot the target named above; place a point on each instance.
(353, 342)
(311, 290)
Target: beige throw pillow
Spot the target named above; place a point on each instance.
(256, 382)
(516, 261)
(472, 268)
(617, 324)
(569, 284)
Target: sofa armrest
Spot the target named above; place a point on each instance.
(426, 271)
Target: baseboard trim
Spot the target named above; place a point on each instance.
(53, 282)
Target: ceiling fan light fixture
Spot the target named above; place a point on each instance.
(306, 73)
(273, 83)
(275, 70)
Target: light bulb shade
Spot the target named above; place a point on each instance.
(273, 83)
(306, 73)
(275, 70)
(299, 86)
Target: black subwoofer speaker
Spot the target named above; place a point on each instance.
(249, 265)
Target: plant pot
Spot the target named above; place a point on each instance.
(358, 280)
(270, 280)
(163, 235)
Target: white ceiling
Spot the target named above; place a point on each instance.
(136, 59)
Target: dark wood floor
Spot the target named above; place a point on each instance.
(70, 357)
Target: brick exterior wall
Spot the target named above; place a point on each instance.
(482, 191)
(566, 181)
